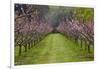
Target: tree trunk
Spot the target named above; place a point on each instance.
(85, 44)
(29, 46)
(81, 43)
(20, 49)
(25, 48)
(89, 48)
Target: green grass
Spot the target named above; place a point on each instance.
(54, 48)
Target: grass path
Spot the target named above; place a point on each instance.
(53, 49)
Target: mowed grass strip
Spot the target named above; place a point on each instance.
(54, 48)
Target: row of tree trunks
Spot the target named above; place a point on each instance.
(28, 45)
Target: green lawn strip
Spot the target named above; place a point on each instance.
(53, 48)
